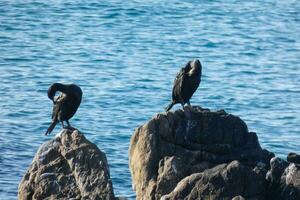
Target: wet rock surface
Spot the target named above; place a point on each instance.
(67, 167)
(200, 154)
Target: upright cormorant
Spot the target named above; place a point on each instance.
(186, 83)
(65, 105)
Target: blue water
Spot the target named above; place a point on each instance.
(125, 57)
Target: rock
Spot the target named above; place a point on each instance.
(175, 149)
(238, 198)
(277, 168)
(284, 180)
(67, 167)
(293, 158)
(225, 181)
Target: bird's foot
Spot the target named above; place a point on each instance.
(188, 110)
(69, 127)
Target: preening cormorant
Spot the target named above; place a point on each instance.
(65, 105)
(186, 83)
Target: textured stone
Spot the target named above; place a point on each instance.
(67, 167)
(283, 180)
(293, 158)
(225, 181)
(180, 145)
(238, 198)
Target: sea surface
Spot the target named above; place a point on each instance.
(125, 55)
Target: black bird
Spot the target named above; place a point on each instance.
(65, 105)
(186, 83)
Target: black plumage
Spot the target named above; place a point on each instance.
(65, 105)
(186, 83)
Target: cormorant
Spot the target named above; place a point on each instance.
(186, 83)
(65, 105)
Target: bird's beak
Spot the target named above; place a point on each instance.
(194, 66)
(197, 62)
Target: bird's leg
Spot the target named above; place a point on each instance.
(182, 104)
(69, 125)
(188, 103)
(62, 124)
(189, 107)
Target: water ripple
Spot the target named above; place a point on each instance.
(125, 56)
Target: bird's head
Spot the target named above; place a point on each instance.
(52, 90)
(195, 67)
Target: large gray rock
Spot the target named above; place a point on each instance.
(177, 151)
(67, 167)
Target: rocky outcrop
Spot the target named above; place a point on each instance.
(67, 167)
(198, 154)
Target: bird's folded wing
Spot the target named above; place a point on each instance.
(178, 82)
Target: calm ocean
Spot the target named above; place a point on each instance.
(125, 55)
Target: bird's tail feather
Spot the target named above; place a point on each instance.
(51, 127)
(169, 106)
